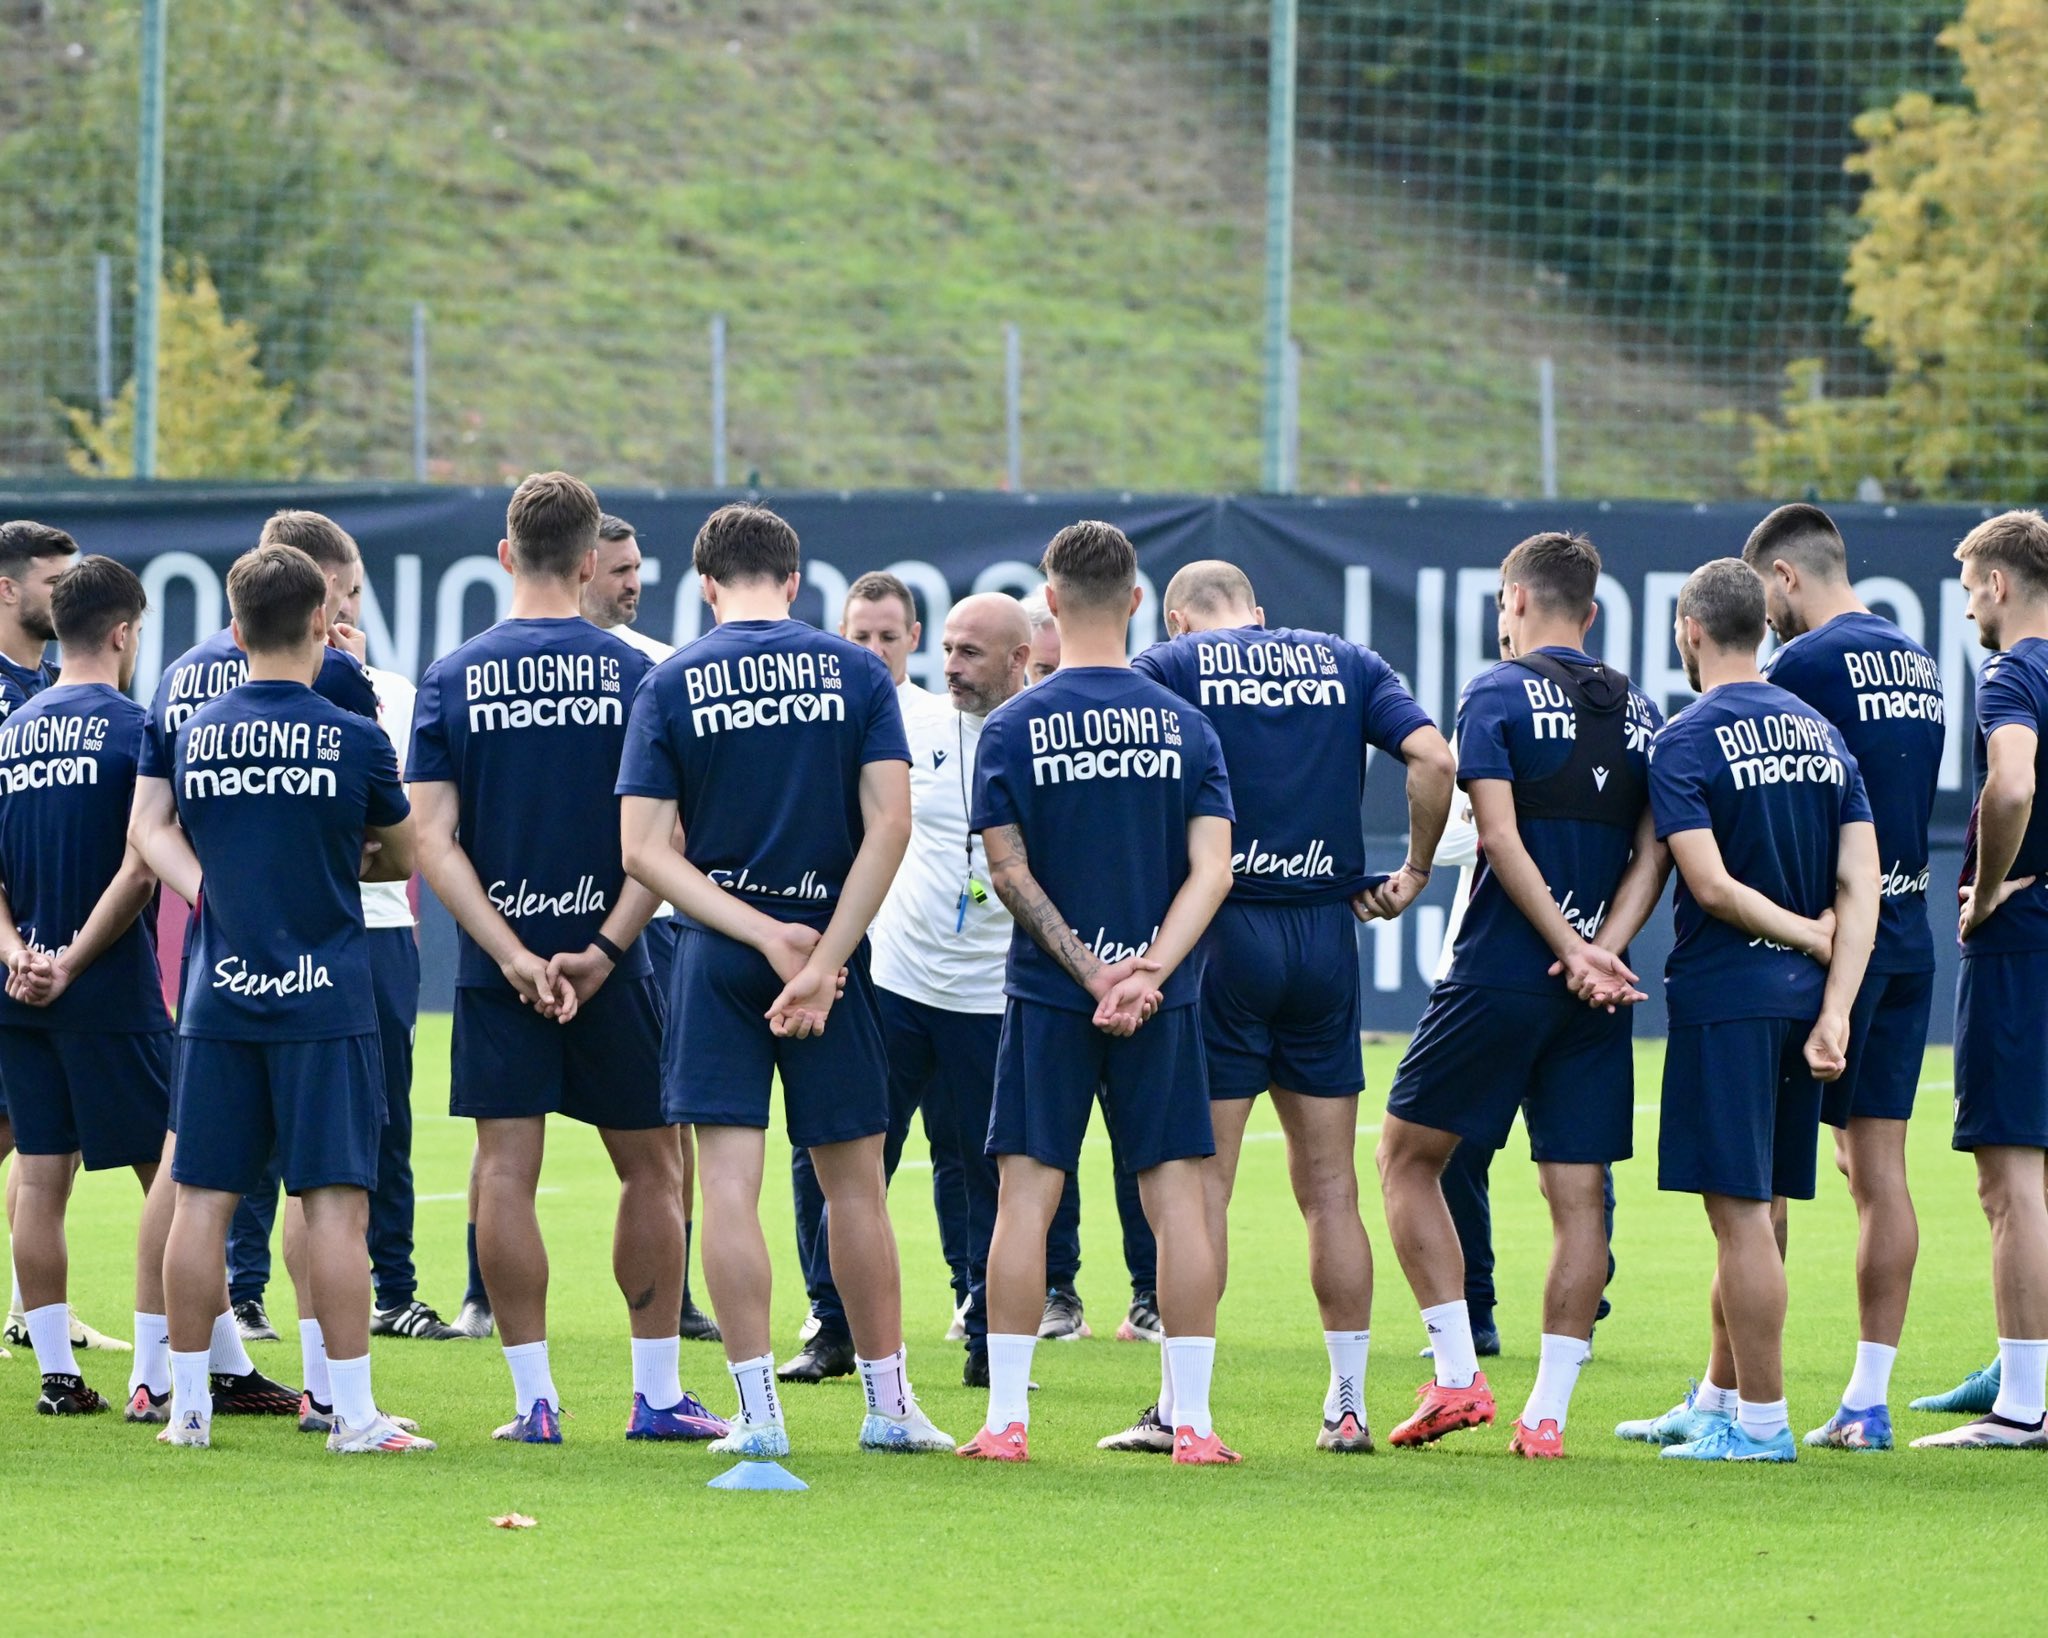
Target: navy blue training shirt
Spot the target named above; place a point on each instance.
(275, 785)
(209, 669)
(1295, 712)
(2012, 689)
(1517, 726)
(21, 683)
(1772, 779)
(758, 732)
(1101, 769)
(1880, 688)
(528, 720)
(67, 782)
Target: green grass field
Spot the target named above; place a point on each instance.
(105, 1528)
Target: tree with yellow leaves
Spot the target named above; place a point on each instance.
(217, 417)
(1949, 284)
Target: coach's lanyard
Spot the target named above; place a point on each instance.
(971, 891)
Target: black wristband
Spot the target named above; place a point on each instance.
(611, 950)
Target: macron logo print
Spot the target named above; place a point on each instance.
(938, 759)
(1599, 779)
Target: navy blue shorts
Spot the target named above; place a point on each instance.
(1280, 1001)
(659, 936)
(603, 1067)
(719, 1059)
(2002, 1051)
(1887, 1041)
(106, 1097)
(1052, 1064)
(318, 1105)
(1481, 1054)
(1741, 1110)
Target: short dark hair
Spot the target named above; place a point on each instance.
(1091, 563)
(2016, 542)
(91, 598)
(23, 539)
(326, 542)
(877, 586)
(610, 526)
(1726, 597)
(275, 591)
(1802, 535)
(745, 541)
(1560, 570)
(552, 522)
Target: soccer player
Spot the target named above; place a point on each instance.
(1105, 808)
(1064, 1319)
(84, 1037)
(611, 602)
(1296, 712)
(1881, 690)
(278, 1048)
(2001, 1026)
(881, 617)
(515, 748)
(1764, 812)
(1553, 751)
(780, 750)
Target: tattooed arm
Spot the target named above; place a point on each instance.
(1010, 867)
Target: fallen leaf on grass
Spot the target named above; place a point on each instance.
(514, 1521)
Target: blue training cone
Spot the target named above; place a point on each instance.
(756, 1476)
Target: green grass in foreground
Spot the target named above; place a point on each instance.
(103, 1524)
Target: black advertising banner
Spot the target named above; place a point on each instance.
(1413, 577)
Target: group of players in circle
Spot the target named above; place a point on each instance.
(1090, 880)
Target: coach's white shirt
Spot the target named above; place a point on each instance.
(657, 651)
(385, 904)
(916, 951)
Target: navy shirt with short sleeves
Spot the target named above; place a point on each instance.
(758, 732)
(1881, 689)
(528, 720)
(275, 785)
(1296, 712)
(2012, 689)
(1101, 769)
(1517, 726)
(67, 782)
(209, 669)
(21, 683)
(1773, 780)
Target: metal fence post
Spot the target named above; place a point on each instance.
(149, 232)
(1546, 424)
(103, 330)
(1013, 407)
(419, 392)
(718, 401)
(1290, 440)
(1279, 237)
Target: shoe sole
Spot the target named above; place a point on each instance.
(45, 1408)
(1344, 1447)
(1133, 1447)
(1127, 1332)
(1430, 1433)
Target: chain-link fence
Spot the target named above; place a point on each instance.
(1567, 245)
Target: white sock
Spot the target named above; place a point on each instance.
(226, 1352)
(755, 1379)
(353, 1402)
(49, 1333)
(1450, 1335)
(530, 1376)
(1346, 1392)
(14, 1310)
(1715, 1401)
(191, 1386)
(1009, 1380)
(313, 1362)
(1192, 1361)
(887, 1384)
(1764, 1420)
(1165, 1384)
(152, 1367)
(657, 1375)
(1871, 1382)
(1557, 1373)
(2022, 1380)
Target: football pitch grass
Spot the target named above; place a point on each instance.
(267, 1532)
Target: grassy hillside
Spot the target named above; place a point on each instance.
(869, 191)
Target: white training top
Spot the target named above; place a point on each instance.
(1460, 847)
(385, 904)
(653, 647)
(922, 947)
